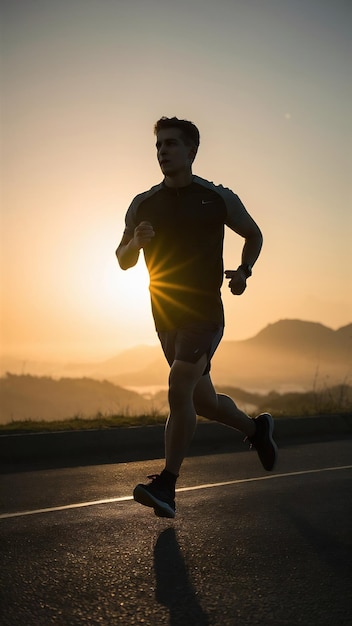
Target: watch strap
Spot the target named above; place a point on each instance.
(246, 269)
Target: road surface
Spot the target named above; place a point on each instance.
(246, 547)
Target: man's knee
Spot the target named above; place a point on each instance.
(183, 378)
(183, 373)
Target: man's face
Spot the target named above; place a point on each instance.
(173, 154)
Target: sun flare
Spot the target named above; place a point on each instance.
(130, 289)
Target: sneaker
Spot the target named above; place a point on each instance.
(157, 496)
(263, 441)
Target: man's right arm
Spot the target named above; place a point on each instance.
(128, 250)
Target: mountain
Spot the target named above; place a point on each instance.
(289, 354)
(286, 355)
(309, 338)
(345, 332)
(32, 397)
(132, 360)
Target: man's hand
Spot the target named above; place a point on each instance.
(143, 234)
(238, 281)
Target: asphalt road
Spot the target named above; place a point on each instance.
(268, 549)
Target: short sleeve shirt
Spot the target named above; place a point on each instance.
(185, 258)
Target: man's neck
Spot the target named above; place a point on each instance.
(182, 179)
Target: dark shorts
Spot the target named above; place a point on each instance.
(191, 342)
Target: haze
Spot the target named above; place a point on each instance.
(267, 83)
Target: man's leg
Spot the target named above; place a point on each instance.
(181, 423)
(179, 430)
(220, 408)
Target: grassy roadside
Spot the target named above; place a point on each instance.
(81, 423)
(101, 422)
(36, 396)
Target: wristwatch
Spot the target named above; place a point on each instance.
(246, 268)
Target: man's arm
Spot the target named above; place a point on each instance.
(239, 220)
(128, 249)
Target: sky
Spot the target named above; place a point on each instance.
(267, 82)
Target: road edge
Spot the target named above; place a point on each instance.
(140, 443)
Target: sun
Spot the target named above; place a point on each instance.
(128, 290)
(134, 284)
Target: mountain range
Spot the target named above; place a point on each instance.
(288, 354)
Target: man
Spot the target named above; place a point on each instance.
(179, 225)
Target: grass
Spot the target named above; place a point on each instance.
(335, 400)
(82, 423)
(101, 422)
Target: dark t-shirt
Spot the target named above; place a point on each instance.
(185, 258)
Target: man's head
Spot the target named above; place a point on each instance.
(177, 144)
(189, 133)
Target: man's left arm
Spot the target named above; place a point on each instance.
(239, 220)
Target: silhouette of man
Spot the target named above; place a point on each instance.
(179, 225)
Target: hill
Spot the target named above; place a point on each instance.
(290, 354)
(43, 399)
(310, 338)
(31, 397)
(286, 355)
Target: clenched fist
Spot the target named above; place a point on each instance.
(238, 281)
(143, 234)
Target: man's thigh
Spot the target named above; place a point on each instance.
(190, 343)
(185, 376)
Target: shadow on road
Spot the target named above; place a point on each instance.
(173, 586)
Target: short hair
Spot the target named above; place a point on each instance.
(190, 132)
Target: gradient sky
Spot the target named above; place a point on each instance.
(267, 82)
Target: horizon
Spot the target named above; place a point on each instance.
(296, 357)
(272, 107)
(67, 358)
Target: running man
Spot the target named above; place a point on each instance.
(179, 225)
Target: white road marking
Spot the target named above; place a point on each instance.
(268, 477)
(240, 481)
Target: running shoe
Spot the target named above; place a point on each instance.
(157, 496)
(263, 441)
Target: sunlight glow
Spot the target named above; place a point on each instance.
(129, 290)
(78, 146)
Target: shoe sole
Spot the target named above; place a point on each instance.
(161, 509)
